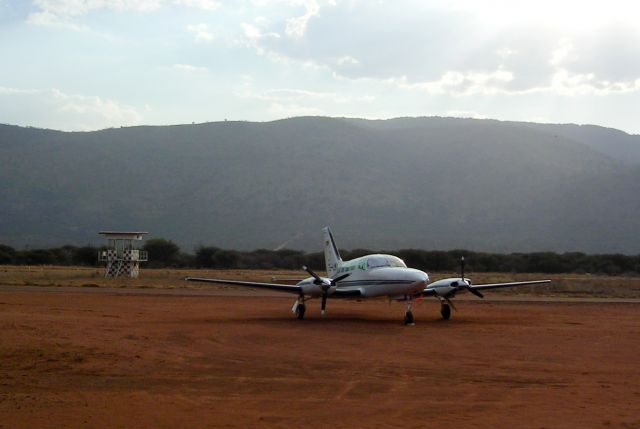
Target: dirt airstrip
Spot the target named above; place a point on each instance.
(80, 359)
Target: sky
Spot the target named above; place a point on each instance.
(94, 64)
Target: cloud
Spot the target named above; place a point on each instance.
(49, 19)
(71, 8)
(288, 102)
(460, 83)
(297, 26)
(278, 110)
(56, 109)
(562, 82)
(290, 95)
(347, 59)
(566, 83)
(210, 5)
(201, 32)
(56, 12)
(464, 114)
(445, 49)
(189, 68)
(17, 91)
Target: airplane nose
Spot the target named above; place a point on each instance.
(418, 276)
(421, 275)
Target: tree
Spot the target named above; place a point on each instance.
(205, 256)
(86, 255)
(7, 255)
(162, 252)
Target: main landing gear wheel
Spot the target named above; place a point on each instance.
(300, 309)
(408, 318)
(445, 311)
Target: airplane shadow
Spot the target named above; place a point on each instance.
(342, 320)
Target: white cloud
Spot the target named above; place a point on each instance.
(347, 59)
(566, 83)
(561, 53)
(253, 36)
(561, 82)
(70, 8)
(517, 57)
(287, 95)
(287, 102)
(13, 91)
(210, 5)
(461, 83)
(46, 18)
(465, 114)
(201, 32)
(278, 110)
(54, 12)
(297, 26)
(190, 68)
(57, 109)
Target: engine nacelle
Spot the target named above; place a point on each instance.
(309, 288)
(448, 287)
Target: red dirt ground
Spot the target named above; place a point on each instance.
(80, 360)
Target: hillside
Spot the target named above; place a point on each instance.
(435, 183)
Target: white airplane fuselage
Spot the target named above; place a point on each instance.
(372, 276)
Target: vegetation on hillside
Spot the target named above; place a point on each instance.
(406, 183)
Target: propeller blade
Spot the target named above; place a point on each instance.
(467, 285)
(475, 292)
(323, 306)
(339, 278)
(317, 278)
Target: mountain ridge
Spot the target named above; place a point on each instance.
(433, 183)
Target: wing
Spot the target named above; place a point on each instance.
(274, 286)
(511, 284)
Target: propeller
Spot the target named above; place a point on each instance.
(324, 285)
(464, 282)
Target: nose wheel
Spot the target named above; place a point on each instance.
(408, 315)
(408, 318)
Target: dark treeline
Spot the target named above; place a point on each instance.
(166, 254)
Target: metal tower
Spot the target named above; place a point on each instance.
(121, 256)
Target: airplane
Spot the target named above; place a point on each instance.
(372, 276)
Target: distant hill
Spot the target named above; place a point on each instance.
(433, 183)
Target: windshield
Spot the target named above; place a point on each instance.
(385, 261)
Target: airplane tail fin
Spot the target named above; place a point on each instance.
(332, 257)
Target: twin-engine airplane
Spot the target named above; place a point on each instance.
(372, 276)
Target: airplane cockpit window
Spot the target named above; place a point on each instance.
(377, 262)
(385, 261)
(396, 262)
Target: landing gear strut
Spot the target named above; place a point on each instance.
(300, 311)
(445, 311)
(299, 308)
(408, 315)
